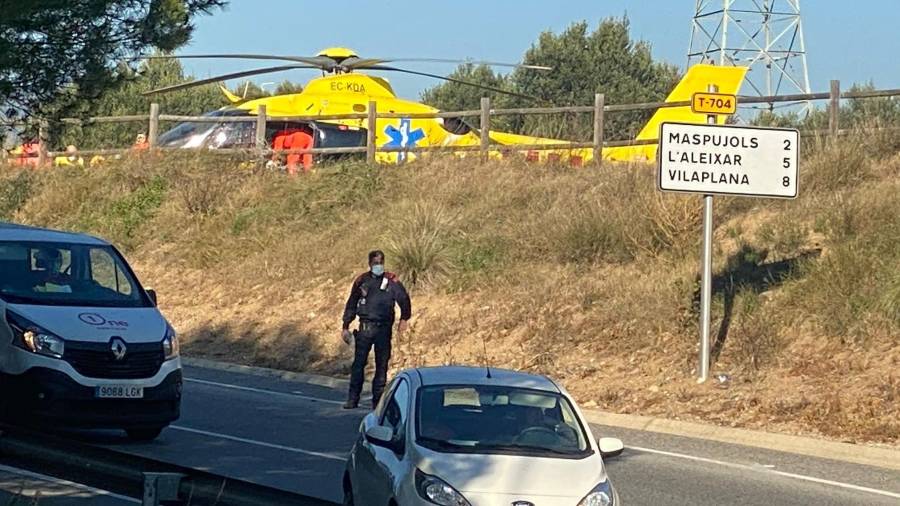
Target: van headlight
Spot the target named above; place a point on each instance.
(602, 495)
(437, 491)
(33, 338)
(171, 348)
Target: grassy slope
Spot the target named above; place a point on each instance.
(588, 275)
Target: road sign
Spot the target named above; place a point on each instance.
(728, 160)
(713, 103)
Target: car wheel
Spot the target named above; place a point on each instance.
(144, 433)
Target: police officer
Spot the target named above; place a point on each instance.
(372, 299)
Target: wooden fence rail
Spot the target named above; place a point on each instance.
(485, 113)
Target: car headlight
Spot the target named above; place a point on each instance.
(170, 343)
(437, 491)
(35, 339)
(602, 495)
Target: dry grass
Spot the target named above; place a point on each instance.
(587, 275)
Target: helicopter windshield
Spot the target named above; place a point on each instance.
(195, 134)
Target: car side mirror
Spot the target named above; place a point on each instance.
(610, 446)
(380, 435)
(152, 294)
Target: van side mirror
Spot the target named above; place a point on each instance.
(610, 447)
(152, 294)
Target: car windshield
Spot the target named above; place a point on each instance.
(490, 419)
(63, 274)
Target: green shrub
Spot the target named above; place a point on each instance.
(418, 243)
(14, 192)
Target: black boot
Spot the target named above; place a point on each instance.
(376, 396)
(351, 404)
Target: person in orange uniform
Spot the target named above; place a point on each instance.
(294, 139)
(27, 154)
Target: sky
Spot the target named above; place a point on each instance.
(855, 41)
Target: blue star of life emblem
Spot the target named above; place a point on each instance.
(402, 137)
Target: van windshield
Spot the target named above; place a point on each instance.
(63, 274)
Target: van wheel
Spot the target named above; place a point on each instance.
(144, 433)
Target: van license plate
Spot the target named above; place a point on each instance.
(119, 392)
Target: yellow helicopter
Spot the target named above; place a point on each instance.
(344, 90)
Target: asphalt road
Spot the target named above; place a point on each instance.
(295, 436)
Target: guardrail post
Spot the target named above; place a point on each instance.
(371, 125)
(834, 109)
(43, 133)
(599, 103)
(153, 127)
(485, 126)
(160, 487)
(261, 133)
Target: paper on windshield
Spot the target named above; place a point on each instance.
(461, 397)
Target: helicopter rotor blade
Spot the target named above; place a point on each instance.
(350, 63)
(451, 79)
(322, 62)
(224, 77)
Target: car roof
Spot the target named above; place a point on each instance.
(16, 232)
(463, 375)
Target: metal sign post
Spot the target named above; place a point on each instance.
(706, 272)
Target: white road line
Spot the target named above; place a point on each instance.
(263, 391)
(766, 470)
(57, 481)
(291, 449)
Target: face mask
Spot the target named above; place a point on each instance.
(378, 269)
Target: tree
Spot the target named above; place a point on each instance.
(450, 96)
(584, 63)
(603, 61)
(58, 53)
(854, 113)
(248, 90)
(128, 99)
(287, 87)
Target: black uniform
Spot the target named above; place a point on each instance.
(372, 299)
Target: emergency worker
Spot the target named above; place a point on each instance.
(140, 142)
(27, 154)
(294, 138)
(372, 298)
(70, 159)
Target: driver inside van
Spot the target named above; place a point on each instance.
(52, 279)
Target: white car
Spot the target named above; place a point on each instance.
(473, 436)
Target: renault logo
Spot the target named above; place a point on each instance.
(118, 348)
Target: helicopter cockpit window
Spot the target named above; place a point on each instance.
(195, 134)
(456, 126)
(233, 135)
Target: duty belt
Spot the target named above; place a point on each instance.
(369, 325)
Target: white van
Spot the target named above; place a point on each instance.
(82, 344)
